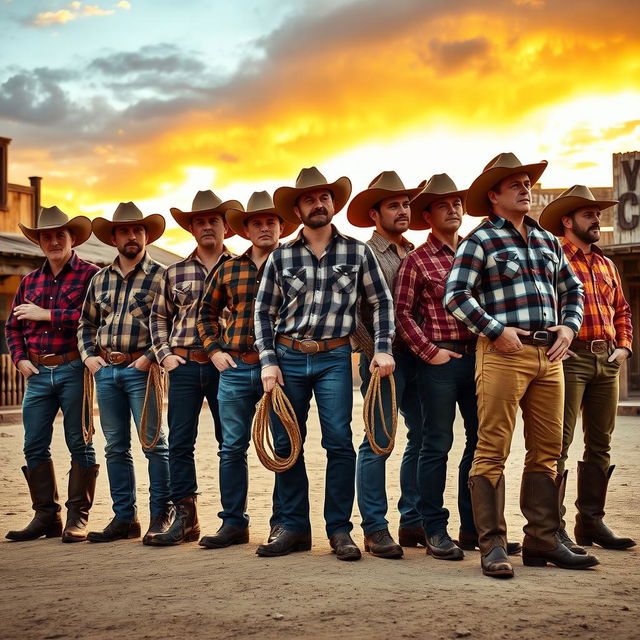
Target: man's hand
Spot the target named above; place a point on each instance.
(443, 356)
(222, 360)
(508, 341)
(270, 375)
(94, 364)
(141, 364)
(619, 356)
(31, 311)
(169, 363)
(560, 347)
(27, 368)
(384, 363)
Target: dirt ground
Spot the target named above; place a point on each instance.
(53, 590)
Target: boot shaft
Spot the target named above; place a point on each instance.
(82, 488)
(43, 488)
(593, 483)
(539, 503)
(488, 512)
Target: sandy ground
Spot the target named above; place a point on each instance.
(54, 590)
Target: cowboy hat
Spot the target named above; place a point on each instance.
(438, 187)
(309, 179)
(205, 202)
(503, 165)
(51, 218)
(260, 202)
(128, 213)
(573, 198)
(385, 185)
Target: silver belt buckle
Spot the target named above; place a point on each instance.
(541, 338)
(595, 348)
(309, 346)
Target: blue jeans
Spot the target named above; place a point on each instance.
(239, 391)
(370, 467)
(55, 388)
(120, 392)
(327, 375)
(189, 385)
(442, 387)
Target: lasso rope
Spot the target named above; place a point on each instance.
(87, 407)
(155, 385)
(262, 437)
(373, 398)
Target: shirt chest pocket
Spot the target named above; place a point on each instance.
(103, 300)
(607, 287)
(183, 294)
(343, 278)
(508, 265)
(550, 263)
(71, 297)
(140, 306)
(294, 281)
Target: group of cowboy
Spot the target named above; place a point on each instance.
(517, 313)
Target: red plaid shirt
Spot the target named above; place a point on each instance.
(607, 315)
(420, 314)
(64, 295)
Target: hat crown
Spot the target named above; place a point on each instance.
(258, 201)
(52, 216)
(310, 177)
(504, 161)
(387, 180)
(577, 191)
(205, 200)
(440, 183)
(127, 212)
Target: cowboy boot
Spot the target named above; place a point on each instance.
(592, 495)
(565, 538)
(540, 506)
(487, 502)
(44, 497)
(82, 488)
(468, 540)
(184, 528)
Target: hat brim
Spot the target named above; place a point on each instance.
(183, 218)
(478, 204)
(236, 220)
(154, 224)
(551, 216)
(284, 198)
(423, 200)
(359, 207)
(80, 226)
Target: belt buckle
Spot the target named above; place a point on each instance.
(117, 357)
(598, 346)
(43, 359)
(309, 346)
(541, 338)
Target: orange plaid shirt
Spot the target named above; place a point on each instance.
(607, 315)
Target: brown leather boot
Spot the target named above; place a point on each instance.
(488, 514)
(540, 506)
(184, 528)
(44, 497)
(82, 488)
(565, 538)
(592, 495)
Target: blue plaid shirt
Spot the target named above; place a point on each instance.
(500, 280)
(304, 297)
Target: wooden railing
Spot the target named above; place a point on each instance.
(11, 383)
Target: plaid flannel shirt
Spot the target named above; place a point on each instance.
(500, 280)
(174, 314)
(116, 311)
(63, 294)
(307, 298)
(234, 287)
(420, 314)
(607, 315)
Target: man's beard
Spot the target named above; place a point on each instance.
(586, 235)
(131, 251)
(313, 221)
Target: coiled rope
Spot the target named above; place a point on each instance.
(373, 399)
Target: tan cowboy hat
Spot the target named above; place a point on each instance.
(503, 165)
(51, 218)
(385, 185)
(439, 186)
(128, 213)
(260, 202)
(205, 202)
(307, 180)
(574, 198)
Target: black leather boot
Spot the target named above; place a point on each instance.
(184, 528)
(226, 536)
(116, 530)
(82, 488)
(469, 541)
(381, 544)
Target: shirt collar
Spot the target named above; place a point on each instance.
(300, 239)
(193, 257)
(381, 244)
(145, 264)
(499, 222)
(434, 244)
(571, 249)
(72, 263)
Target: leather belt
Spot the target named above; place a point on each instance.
(592, 346)
(118, 357)
(248, 357)
(311, 346)
(463, 347)
(539, 338)
(197, 355)
(52, 359)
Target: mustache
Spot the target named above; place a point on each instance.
(319, 210)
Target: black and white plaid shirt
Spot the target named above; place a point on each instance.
(306, 298)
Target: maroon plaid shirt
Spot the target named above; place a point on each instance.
(420, 314)
(64, 295)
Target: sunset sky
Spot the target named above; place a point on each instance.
(153, 100)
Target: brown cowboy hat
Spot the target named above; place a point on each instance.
(260, 202)
(51, 218)
(439, 186)
(573, 198)
(385, 185)
(308, 180)
(503, 165)
(205, 202)
(128, 213)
